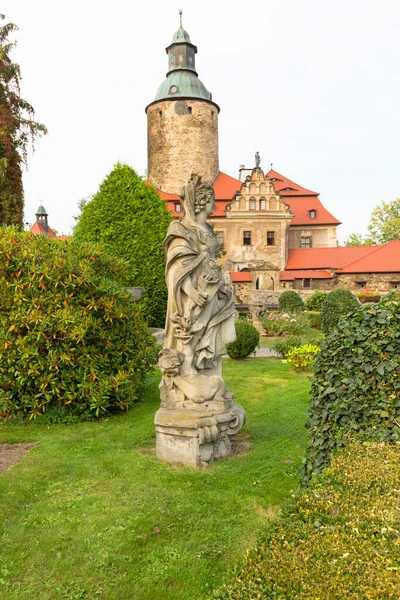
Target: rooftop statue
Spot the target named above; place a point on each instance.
(258, 160)
(200, 322)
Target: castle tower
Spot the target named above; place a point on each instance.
(182, 122)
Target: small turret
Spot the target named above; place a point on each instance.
(41, 217)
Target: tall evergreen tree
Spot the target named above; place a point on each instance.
(129, 220)
(17, 128)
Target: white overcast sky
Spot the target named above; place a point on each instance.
(313, 85)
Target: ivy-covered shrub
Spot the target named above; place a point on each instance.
(302, 357)
(285, 344)
(314, 318)
(290, 301)
(247, 340)
(337, 540)
(338, 303)
(129, 220)
(73, 344)
(278, 324)
(356, 383)
(316, 301)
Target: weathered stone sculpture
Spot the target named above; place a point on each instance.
(198, 416)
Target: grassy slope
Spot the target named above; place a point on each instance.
(90, 513)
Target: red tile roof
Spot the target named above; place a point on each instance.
(325, 258)
(291, 275)
(300, 207)
(225, 187)
(241, 276)
(37, 229)
(286, 187)
(381, 259)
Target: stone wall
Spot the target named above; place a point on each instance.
(374, 282)
(322, 236)
(182, 137)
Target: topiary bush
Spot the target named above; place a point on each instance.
(74, 345)
(129, 220)
(356, 383)
(316, 301)
(247, 340)
(338, 303)
(314, 318)
(290, 301)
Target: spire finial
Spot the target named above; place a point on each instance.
(180, 16)
(272, 165)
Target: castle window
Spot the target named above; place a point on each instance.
(189, 110)
(246, 238)
(395, 285)
(305, 242)
(257, 283)
(262, 204)
(270, 238)
(306, 283)
(252, 204)
(160, 113)
(220, 236)
(178, 207)
(312, 213)
(361, 284)
(212, 113)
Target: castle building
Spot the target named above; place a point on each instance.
(266, 222)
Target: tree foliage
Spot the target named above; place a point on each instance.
(129, 220)
(74, 345)
(17, 128)
(356, 386)
(338, 303)
(384, 226)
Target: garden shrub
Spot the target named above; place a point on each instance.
(290, 301)
(129, 220)
(302, 357)
(285, 344)
(247, 339)
(316, 301)
(74, 345)
(356, 383)
(277, 324)
(314, 318)
(338, 303)
(337, 540)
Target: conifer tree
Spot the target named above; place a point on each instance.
(17, 128)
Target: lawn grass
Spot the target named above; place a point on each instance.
(90, 513)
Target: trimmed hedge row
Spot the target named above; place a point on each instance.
(338, 540)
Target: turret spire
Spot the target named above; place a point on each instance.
(180, 16)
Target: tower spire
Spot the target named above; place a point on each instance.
(180, 16)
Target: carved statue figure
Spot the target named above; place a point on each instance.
(198, 416)
(258, 160)
(200, 309)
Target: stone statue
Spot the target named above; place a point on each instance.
(258, 160)
(195, 402)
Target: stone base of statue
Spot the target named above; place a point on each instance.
(196, 437)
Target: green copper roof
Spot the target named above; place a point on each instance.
(182, 84)
(181, 36)
(41, 210)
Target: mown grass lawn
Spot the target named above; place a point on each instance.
(90, 513)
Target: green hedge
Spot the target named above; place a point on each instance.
(290, 301)
(73, 342)
(336, 305)
(356, 384)
(316, 301)
(338, 540)
(247, 340)
(314, 318)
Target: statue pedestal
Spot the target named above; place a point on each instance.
(196, 437)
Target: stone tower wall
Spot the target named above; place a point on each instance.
(182, 138)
